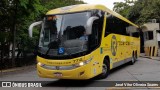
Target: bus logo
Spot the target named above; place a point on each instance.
(113, 45)
(61, 50)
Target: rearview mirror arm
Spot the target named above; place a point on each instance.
(30, 30)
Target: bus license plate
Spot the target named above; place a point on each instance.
(58, 74)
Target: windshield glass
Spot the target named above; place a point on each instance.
(64, 34)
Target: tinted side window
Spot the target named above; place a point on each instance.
(95, 37)
(115, 25)
(135, 34)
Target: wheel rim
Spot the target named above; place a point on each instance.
(104, 69)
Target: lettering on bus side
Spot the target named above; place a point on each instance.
(113, 45)
(122, 43)
(77, 60)
(59, 63)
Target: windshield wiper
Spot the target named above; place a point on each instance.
(52, 45)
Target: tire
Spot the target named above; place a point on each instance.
(136, 56)
(105, 70)
(132, 59)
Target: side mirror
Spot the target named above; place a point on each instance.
(89, 24)
(30, 30)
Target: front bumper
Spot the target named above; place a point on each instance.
(83, 72)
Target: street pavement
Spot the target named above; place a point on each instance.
(144, 69)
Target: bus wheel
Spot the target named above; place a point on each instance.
(132, 59)
(105, 70)
(136, 56)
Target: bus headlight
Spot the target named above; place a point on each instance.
(81, 63)
(40, 64)
(85, 62)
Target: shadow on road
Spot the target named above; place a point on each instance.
(120, 67)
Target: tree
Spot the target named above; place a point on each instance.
(123, 7)
(140, 11)
(151, 10)
(16, 16)
(7, 24)
(34, 10)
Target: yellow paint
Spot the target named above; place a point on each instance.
(94, 67)
(85, 7)
(147, 51)
(156, 51)
(151, 51)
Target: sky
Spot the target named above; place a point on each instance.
(107, 3)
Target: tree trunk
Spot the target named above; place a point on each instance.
(14, 34)
(13, 47)
(1, 60)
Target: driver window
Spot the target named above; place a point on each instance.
(46, 37)
(95, 37)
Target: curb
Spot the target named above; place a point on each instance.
(153, 58)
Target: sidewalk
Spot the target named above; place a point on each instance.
(153, 58)
(17, 68)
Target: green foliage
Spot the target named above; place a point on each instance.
(151, 10)
(32, 10)
(21, 13)
(123, 7)
(4, 37)
(141, 11)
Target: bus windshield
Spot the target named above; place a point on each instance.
(64, 34)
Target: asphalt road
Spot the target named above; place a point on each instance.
(143, 70)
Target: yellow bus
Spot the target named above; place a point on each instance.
(84, 41)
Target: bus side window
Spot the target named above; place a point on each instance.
(94, 40)
(95, 37)
(116, 26)
(95, 33)
(135, 34)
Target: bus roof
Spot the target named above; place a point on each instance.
(85, 7)
(76, 8)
